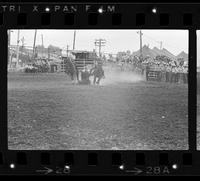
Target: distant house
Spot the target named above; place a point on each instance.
(146, 52)
(182, 57)
(152, 53)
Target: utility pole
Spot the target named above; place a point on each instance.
(67, 50)
(18, 34)
(42, 44)
(22, 43)
(100, 43)
(9, 48)
(74, 40)
(64, 66)
(34, 43)
(48, 53)
(140, 33)
(22, 49)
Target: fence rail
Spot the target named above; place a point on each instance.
(167, 77)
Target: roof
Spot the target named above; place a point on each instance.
(146, 51)
(182, 55)
(81, 51)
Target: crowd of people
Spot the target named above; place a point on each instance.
(160, 68)
(167, 71)
(39, 66)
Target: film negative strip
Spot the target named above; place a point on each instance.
(99, 89)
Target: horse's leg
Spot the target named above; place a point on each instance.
(94, 81)
(98, 81)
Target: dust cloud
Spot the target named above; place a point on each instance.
(115, 76)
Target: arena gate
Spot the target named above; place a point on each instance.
(83, 60)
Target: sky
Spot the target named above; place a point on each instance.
(116, 40)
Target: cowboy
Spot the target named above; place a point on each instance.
(168, 73)
(147, 72)
(173, 76)
(163, 72)
(185, 72)
(178, 74)
(159, 72)
(181, 74)
(98, 73)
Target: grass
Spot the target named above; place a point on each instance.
(46, 111)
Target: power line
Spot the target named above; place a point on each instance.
(141, 34)
(18, 35)
(35, 35)
(100, 43)
(74, 40)
(42, 44)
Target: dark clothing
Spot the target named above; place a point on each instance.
(96, 80)
(167, 76)
(181, 78)
(173, 77)
(163, 76)
(85, 78)
(147, 72)
(177, 77)
(185, 78)
(70, 69)
(159, 76)
(170, 76)
(143, 71)
(98, 73)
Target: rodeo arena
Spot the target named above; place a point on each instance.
(69, 99)
(80, 65)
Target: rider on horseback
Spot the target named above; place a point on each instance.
(98, 73)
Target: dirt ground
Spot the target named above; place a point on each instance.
(47, 111)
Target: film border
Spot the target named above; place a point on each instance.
(178, 16)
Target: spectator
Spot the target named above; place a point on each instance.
(147, 72)
(185, 73)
